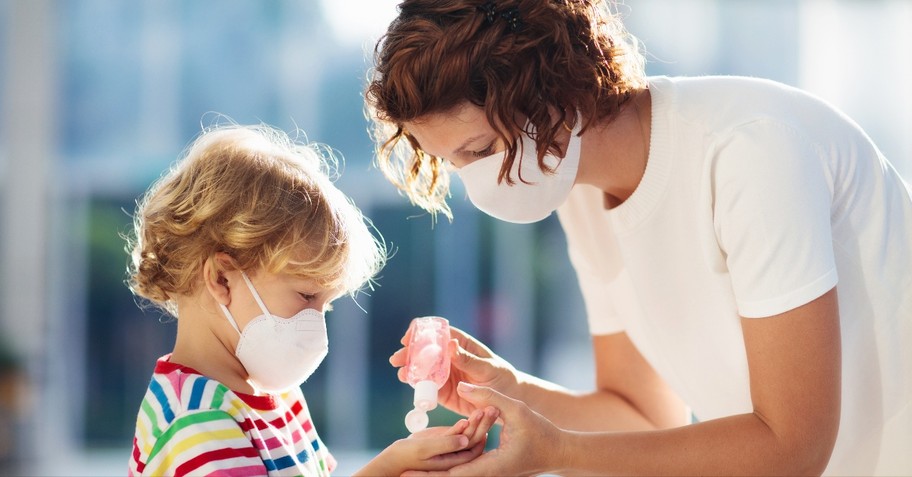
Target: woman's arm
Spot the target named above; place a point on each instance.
(795, 366)
(630, 395)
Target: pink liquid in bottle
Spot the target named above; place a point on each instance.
(427, 366)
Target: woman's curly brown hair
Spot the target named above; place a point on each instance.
(257, 195)
(519, 60)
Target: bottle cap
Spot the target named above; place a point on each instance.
(416, 420)
(425, 395)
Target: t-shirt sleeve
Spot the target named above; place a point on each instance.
(203, 442)
(772, 198)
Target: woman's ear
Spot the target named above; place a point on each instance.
(218, 271)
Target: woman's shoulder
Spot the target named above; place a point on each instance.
(715, 81)
(727, 90)
(714, 105)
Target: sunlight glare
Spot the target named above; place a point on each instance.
(355, 22)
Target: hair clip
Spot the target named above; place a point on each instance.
(490, 11)
(512, 18)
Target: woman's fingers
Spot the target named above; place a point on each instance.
(473, 367)
(468, 348)
(398, 358)
(470, 344)
(406, 337)
(483, 397)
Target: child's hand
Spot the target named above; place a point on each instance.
(475, 428)
(435, 448)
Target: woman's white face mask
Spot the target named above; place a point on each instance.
(534, 194)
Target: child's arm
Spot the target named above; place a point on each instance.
(436, 448)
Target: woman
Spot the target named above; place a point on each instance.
(742, 247)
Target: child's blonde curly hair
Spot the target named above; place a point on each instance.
(259, 196)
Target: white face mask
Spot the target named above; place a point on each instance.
(523, 202)
(280, 353)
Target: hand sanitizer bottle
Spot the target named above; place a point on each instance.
(427, 366)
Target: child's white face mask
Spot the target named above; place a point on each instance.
(523, 202)
(280, 353)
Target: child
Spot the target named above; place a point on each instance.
(247, 242)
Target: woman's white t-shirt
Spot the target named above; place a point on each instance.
(757, 198)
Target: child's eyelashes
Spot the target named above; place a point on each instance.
(313, 300)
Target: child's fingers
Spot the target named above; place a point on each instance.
(429, 447)
(488, 417)
(473, 420)
(458, 428)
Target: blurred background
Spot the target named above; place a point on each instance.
(98, 97)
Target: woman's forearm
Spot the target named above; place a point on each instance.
(736, 445)
(599, 410)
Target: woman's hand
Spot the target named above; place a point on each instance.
(529, 443)
(471, 362)
(435, 448)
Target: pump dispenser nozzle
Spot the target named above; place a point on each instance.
(427, 367)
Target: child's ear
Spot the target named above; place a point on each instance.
(218, 271)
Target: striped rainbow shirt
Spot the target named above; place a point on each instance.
(189, 424)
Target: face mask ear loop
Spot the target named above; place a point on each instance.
(230, 318)
(256, 296)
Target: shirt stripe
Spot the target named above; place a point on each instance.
(190, 420)
(159, 393)
(199, 385)
(220, 454)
